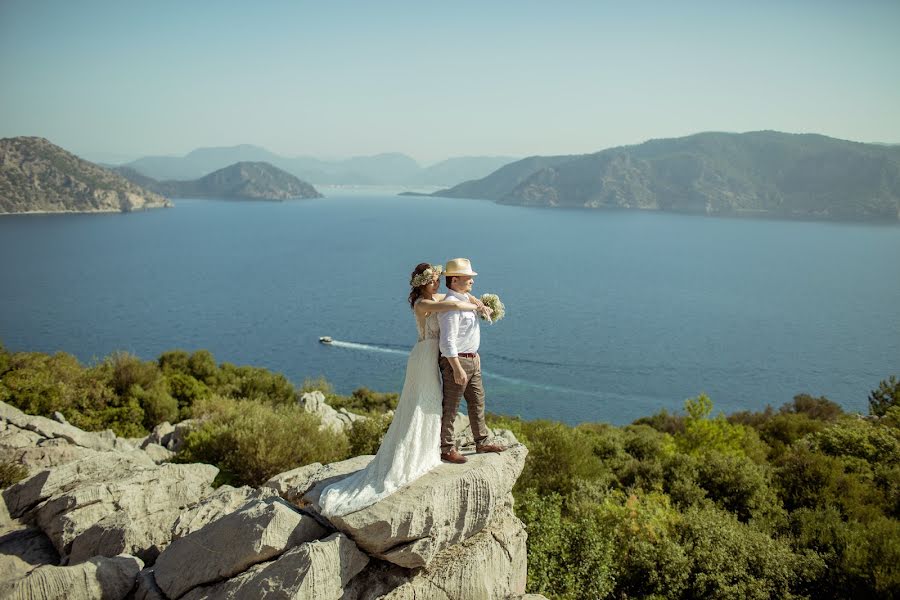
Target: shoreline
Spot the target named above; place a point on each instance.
(80, 212)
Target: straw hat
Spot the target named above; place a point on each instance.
(459, 266)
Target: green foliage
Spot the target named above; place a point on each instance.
(365, 401)
(703, 434)
(365, 435)
(664, 421)
(886, 396)
(569, 451)
(157, 404)
(729, 559)
(11, 472)
(252, 440)
(855, 437)
(186, 390)
(568, 558)
(318, 384)
(248, 382)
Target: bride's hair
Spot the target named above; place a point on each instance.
(417, 291)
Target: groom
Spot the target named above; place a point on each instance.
(460, 364)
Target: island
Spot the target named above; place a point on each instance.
(762, 173)
(243, 180)
(37, 176)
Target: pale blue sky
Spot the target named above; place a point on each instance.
(432, 80)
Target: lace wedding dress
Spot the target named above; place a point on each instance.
(411, 446)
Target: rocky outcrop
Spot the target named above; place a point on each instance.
(86, 528)
(37, 176)
(99, 578)
(440, 509)
(256, 533)
(336, 420)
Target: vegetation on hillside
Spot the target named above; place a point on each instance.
(802, 501)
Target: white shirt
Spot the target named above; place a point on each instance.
(460, 331)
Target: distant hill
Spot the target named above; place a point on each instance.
(38, 176)
(765, 173)
(380, 169)
(242, 180)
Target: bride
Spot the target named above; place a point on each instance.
(411, 446)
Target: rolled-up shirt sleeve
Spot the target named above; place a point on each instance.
(449, 322)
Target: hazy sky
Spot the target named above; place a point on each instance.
(437, 79)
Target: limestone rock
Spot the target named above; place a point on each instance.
(94, 468)
(490, 565)
(314, 570)
(157, 453)
(48, 428)
(292, 485)
(443, 507)
(224, 500)
(100, 578)
(140, 502)
(314, 402)
(171, 437)
(22, 550)
(256, 533)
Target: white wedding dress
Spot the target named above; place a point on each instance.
(411, 446)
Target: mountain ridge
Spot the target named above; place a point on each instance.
(386, 168)
(39, 176)
(763, 173)
(249, 180)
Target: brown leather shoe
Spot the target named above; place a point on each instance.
(453, 457)
(488, 448)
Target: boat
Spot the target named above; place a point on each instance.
(325, 339)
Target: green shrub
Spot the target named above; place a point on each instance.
(202, 366)
(157, 404)
(365, 435)
(365, 402)
(558, 458)
(174, 361)
(729, 559)
(252, 383)
(703, 434)
(886, 396)
(820, 409)
(319, 384)
(664, 422)
(11, 472)
(186, 390)
(126, 370)
(252, 440)
(568, 557)
(739, 486)
(862, 559)
(861, 439)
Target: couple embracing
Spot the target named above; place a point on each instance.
(443, 366)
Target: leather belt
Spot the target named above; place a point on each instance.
(464, 355)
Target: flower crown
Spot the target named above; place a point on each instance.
(426, 276)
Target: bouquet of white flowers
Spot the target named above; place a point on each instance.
(492, 301)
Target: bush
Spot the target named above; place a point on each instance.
(252, 383)
(729, 559)
(11, 472)
(558, 458)
(157, 404)
(366, 402)
(703, 434)
(739, 486)
(186, 391)
(126, 370)
(568, 557)
(252, 440)
(365, 435)
(820, 409)
(886, 396)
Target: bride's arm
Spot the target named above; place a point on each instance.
(424, 306)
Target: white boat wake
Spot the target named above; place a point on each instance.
(487, 374)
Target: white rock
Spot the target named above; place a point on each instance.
(141, 501)
(315, 570)
(95, 467)
(225, 500)
(256, 533)
(22, 550)
(489, 565)
(292, 485)
(443, 507)
(158, 453)
(100, 578)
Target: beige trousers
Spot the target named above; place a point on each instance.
(473, 392)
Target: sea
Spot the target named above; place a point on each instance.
(611, 315)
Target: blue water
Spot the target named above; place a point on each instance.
(611, 315)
